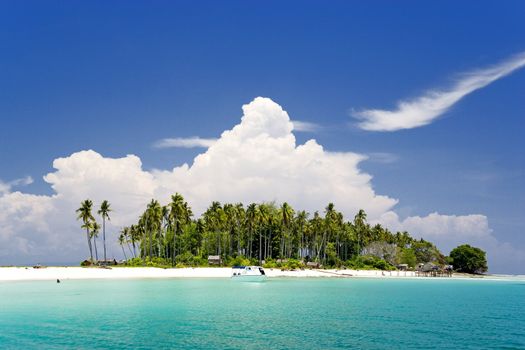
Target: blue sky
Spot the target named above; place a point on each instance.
(117, 76)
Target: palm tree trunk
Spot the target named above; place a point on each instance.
(129, 248)
(264, 246)
(123, 251)
(174, 241)
(96, 252)
(260, 247)
(270, 244)
(150, 244)
(89, 244)
(219, 242)
(239, 240)
(159, 243)
(104, 235)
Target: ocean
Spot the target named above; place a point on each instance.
(327, 313)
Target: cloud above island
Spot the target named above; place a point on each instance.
(5, 187)
(425, 109)
(256, 160)
(303, 126)
(184, 142)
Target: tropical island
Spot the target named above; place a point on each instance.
(266, 234)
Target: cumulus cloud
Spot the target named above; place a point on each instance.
(257, 160)
(425, 109)
(188, 142)
(449, 231)
(305, 126)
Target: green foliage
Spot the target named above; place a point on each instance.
(169, 235)
(85, 263)
(293, 264)
(270, 263)
(331, 256)
(289, 264)
(368, 262)
(383, 250)
(188, 259)
(408, 256)
(239, 261)
(427, 252)
(154, 262)
(469, 259)
(135, 262)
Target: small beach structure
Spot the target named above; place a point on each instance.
(432, 270)
(402, 267)
(313, 265)
(107, 262)
(214, 260)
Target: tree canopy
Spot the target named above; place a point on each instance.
(268, 233)
(468, 259)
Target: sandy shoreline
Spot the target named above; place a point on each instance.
(75, 273)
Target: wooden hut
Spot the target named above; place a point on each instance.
(214, 260)
(402, 267)
(313, 265)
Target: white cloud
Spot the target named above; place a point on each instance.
(449, 231)
(257, 160)
(425, 109)
(382, 157)
(189, 142)
(5, 187)
(305, 126)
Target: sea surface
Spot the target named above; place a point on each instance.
(278, 314)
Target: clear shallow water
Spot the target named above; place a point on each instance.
(278, 314)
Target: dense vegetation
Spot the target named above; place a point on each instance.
(279, 236)
(468, 259)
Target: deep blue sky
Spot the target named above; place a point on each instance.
(115, 76)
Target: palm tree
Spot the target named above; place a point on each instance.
(121, 240)
(95, 229)
(264, 216)
(154, 218)
(301, 220)
(84, 214)
(286, 216)
(179, 211)
(360, 226)
(126, 232)
(330, 218)
(316, 223)
(251, 221)
(239, 219)
(214, 217)
(104, 212)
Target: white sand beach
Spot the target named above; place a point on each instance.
(66, 273)
(78, 273)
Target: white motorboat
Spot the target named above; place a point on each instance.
(248, 274)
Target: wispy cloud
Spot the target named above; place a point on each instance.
(5, 187)
(426, 108)
(382, 157)
(181, 142)
(305, 126)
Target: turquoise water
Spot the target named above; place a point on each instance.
(278, 314)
